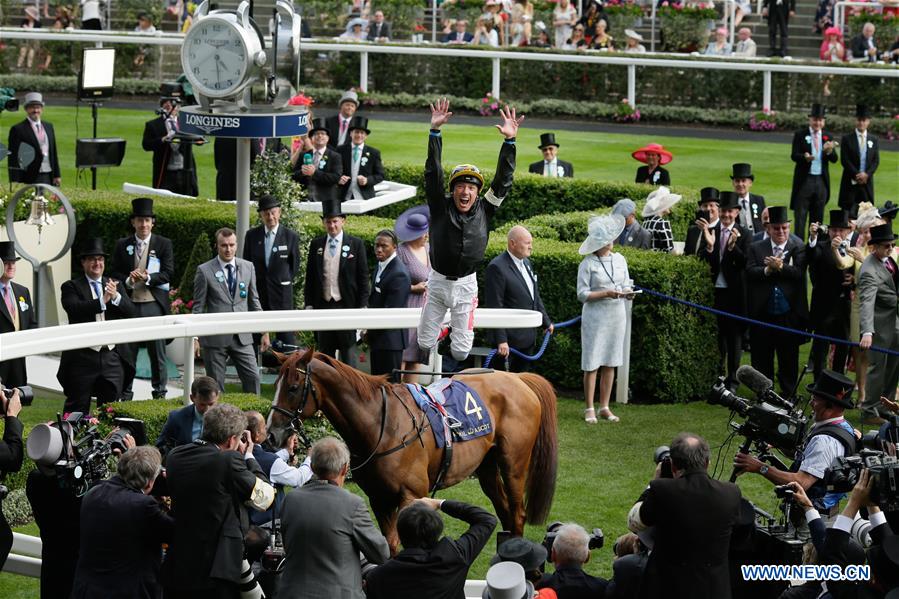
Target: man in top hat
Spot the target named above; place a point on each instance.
(97, 371)
(831, 289)
(813, 150)
(228, 284)
(751, 205)
(550, 166)
(362, 168)
(706, 220)
(174, 167)
(460, 224)
(319, 169)
(274, 251)
(878, 323)
(145, 261)
(32, 146)
(653, 156)
(633, 235)
(338, 125)
(16, 314)
(860, 159)
(336, 277)
(511, 283)
(775, 278)
(778, 13)
(725, 248)
(830, 437)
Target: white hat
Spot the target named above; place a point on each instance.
(659, 201)
(33, 98)
(868, 216)
(32, 12)
(356, 21)
(633, 35)
(506, 580)
(601, 231)
(349, 96)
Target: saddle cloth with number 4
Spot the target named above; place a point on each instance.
(453, 407)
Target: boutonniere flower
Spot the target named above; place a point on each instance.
(242, 285)
(825, 138)
(344, 254)
(322, 162)
(345, 248)
(808, 139)
(870, 144)
(130, 250)
(243, 293)
(560, 172)
(655, 176)
(364, 161)
(220, 276)
(23, 305)
(152, 252)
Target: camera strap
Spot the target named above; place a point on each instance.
(835, 431)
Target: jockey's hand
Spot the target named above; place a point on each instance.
(509, 126)
(502, 349)
(440, 113)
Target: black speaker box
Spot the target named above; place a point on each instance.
(92, 152)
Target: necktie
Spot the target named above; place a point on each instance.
(745, 215)
(99, 293)
(232, 284)
(10, 306)
(40, 132)
(332, 247)
(316, 158)
(890, 266)
(343, 126)
(356, 152)
(862, 153)
(269, 242)
(778, 252)
(725, 236)
(815, 142)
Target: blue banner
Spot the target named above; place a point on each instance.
(243, 125)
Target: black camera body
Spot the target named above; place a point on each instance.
(597, 539)
(662, 455)
(845, 471)
(26, 394)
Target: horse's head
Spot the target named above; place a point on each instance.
(296, 397)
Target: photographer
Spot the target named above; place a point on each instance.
(570, 552)
(830, 437)
(691, 517)
(631, 556)
(122, 531)
(11, 455)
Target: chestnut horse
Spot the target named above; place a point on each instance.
(395, 457)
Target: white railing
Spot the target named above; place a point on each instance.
(631, 61)
(839, 11)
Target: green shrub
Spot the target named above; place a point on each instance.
(201, 252)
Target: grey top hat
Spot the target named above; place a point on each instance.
(349, 96)
(33, 98)
(506, 580)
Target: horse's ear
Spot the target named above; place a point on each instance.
(307, 357)
(281, 357)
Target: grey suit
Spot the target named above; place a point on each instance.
(877, 314)
(211, 295)
(635, 236)
(324, 528)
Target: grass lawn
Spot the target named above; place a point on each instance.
(602, 470)
(603, 156)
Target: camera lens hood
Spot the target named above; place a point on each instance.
(44, 444)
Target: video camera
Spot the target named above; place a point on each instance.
(77, 452)
(8, 100)
(597, 539)
(845, 471)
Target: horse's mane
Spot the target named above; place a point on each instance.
(365, 385)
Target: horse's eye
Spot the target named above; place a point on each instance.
(293, 388)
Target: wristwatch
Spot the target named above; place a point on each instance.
(763, 470)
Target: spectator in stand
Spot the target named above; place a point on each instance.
(592, 14)
(719, 47)
(90, 15)
(484, 33)
(653, 156)
(459, 35)
(658, 206)
(428, 561)
(499, 18)
(576, 41)
(633, 235)
(893, 54)
(355, 31)
(601, 39)
(412, 231)
(778, 13)
(863, 46)
(832, 48)
(824, 15)
(564, 19)
(29, 47)
(741, 9)
(632, 43)
(570, 552)
(745, 44)
(603, 283)
(542, 40)
(144, 26)
(378, 29)
(522, 14)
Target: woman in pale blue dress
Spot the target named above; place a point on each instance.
(603, 285)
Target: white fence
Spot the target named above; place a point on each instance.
(631, 61)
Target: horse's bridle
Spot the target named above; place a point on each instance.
(296, 421)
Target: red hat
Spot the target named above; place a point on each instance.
(664, 155)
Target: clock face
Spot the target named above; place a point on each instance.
(215, 57)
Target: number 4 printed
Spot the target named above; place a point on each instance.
(471, 406)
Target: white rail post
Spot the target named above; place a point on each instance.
(434, 21)
(363, 72)
(766, 91)
(495, 86)
(632, 85)
(189, 358)
(652, 33)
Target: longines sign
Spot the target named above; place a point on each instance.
(251, 124)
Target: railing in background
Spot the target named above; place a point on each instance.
(839, 11)
(631, 61)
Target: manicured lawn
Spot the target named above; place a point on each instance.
(604, 156)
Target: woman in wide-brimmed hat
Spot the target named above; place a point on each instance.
(653, 156)
(658, 205)
(412, 231)
(603, 285)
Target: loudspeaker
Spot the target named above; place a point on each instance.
(92, 152)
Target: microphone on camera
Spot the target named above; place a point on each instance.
(761, 385)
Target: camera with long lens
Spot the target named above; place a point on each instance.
(771, 423)
(76, 450)
(26, 394)
(597, 539)
(662, 456)
(845, 471)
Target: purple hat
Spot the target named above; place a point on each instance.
(413, 223)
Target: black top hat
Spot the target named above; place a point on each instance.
(171, 92)
(777, 215)
(359, 122)
(142, 207)
(817, 111)
(528, 554)
(729, 200)
(267, 201)
(834, 387)
(93, 247)
(331, 206)
(742, 170)
(862, 111)
(708, 194)
(881, 234)
(889, 210)
(8, 251)
(839, 219)
(548, 139)
(318, 124)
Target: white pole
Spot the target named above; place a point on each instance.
(243, 191)
(433, 21)
(188, 365)
(632, 85)
(731, 9)
(495, 77)
(766, 98)
(652, 39)
(363, 71)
